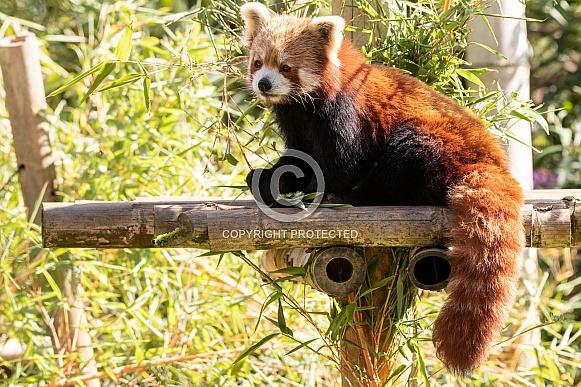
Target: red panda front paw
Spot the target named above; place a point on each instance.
(260, 185)
(249, 179)
(333, 198)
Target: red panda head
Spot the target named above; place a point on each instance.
(288, 55)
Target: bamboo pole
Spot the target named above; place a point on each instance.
(25, 102)
(551, 219)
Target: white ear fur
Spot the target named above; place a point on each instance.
(329, 29)
(255, 15)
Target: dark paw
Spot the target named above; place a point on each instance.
(249, 179)
(332, 198)
(260, 189)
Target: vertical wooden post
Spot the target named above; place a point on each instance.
(25, 102)
(353, 16)
(359, 367)
(511, 73)
(373, 331)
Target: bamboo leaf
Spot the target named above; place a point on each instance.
(76, 79)
(53, 285)
(467, 74)
(485, 20)
(312, 195)
(489, 49)
(271, 298)
(106, 69)
(126, 80)
(538, 118)
(301, 346)
(254, 347)
(376, 286)
(282, 321)
(294, 271)
(146, 88)
(413, 346)
(396, 373)
(333, 205)
(125, 43)
(400, 296)
(231, 159)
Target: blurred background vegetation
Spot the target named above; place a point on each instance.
(556, 83)
(198, 135)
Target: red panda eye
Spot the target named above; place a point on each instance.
(257, 64)
(285, 69)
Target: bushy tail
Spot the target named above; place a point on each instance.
(487, 240)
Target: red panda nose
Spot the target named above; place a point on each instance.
(264, 85)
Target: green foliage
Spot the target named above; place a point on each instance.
(149, 99)
(555, 83)
(424, 40)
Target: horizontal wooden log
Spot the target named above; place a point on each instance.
(552, 218)
(118, 224)
(252, 229)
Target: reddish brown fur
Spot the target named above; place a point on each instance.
(487, 233)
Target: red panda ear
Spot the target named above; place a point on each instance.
(329, 30)
(255, 15)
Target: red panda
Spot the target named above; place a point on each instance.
(382, 137)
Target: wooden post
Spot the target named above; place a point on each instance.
(367, 330)
(510, 74)
(25, 102)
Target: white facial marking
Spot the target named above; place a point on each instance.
(309, 81)
(280, 86)
(333, 58)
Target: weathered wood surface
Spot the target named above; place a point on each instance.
(551, 219)
(25, 102)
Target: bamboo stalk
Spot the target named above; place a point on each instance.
(226, 225)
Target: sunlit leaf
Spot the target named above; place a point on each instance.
(146, 92)
(123, 49)
(467, 74)
(125, 80)
(77, 79)
(255, 346)
(106, 69)
(302, 345)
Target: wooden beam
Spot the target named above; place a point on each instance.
(551, 219)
